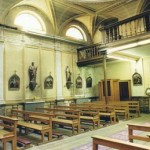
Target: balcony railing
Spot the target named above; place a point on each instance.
(131, 27)
(90, 54)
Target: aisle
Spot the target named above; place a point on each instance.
(70, 143)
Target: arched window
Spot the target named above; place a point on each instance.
(76, 32)
(30, 22)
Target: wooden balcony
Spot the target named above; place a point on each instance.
(126, 31)
(130, 27)
(90, 54)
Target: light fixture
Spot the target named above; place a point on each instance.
(119, 48)
(122, 58)
(144, 42)
(127, 46)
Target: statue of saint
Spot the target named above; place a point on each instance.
(32, 76)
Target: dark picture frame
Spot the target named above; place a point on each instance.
(79, 82)
(137, 79)
(48, 83)
(14, 83)
(88, 82)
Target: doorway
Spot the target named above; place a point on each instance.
(125, 90)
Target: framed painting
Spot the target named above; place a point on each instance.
(137, 79)
(48, 83)
(79, 82)
(88, 82)
(14, 83)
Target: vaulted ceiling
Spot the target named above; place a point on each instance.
(59, 13)
(92, 13)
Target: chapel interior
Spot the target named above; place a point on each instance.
(74, 75)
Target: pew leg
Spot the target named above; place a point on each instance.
(42, 137)
(94, 124)
(14, 145)
(95, 146)
(111, 120)
(130, 132)
(49, 136)
(4, 145)
(26, 130)
(78, 128)
(73, 130)
(98, 123)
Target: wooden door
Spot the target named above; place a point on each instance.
(112, 88)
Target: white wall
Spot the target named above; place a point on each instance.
(124, 71)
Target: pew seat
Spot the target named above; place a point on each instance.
(8, 132)
(117, 144)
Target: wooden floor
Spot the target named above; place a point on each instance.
(75, 141)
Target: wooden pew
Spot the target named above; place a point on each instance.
(117, 144)
(134, 107)
(138, 127)
(90, 115)
(68, 117)
(8, 132)
(87, 114)
(104, 110)
(31, 123)
(120, 108)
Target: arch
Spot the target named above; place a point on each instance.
(76, 32)
(28, 20)
(78, 25)
(42, 17)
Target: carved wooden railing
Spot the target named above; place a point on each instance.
(131, 27)
(90, 54)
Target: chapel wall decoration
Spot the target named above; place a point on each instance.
(88, 82)
(14, 82)
(137, 79)
(68, 77)
(32, 76)
(79, 82)
(48, 83)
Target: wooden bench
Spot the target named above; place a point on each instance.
(134, 107)
(64, 117)
(87, 114)
(90, 115)
(105, 111)
(121, 109)
(117, 144)
(28, 122)
(138, 127)
(8, 132)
